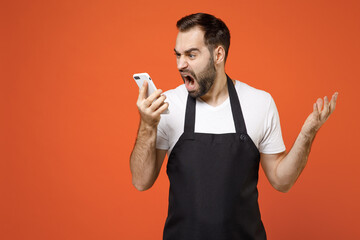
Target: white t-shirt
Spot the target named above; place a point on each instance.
(259, 110)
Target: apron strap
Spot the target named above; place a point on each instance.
(235, 107)
(189, 126)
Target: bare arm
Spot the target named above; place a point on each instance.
(283, 169)
(145, 159)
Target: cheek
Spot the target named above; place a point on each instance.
(198, 66)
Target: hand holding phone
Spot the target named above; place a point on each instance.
(140, 78)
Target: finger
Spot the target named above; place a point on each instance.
(326, 110)
(153, 96)
(315, 110)
(319, 103)
(143, 91)
(326, 102)
(333, 102)
(158, 102)
(162, 108)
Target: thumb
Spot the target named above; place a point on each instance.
(316, 110)
(143, 90)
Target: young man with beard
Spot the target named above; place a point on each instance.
(217, 133)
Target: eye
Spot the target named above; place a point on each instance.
(192, 56)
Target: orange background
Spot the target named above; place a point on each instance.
(69, 119)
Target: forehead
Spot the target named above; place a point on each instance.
(193, 38)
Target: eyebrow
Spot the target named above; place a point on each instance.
(188, 50)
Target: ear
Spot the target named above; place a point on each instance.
(219, 54)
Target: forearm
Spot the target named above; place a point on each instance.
(290, 167)
(143, 158)
(283, 169)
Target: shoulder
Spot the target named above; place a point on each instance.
(177, 99)
(177, 95)
(246, 89)
(252, 96)
(171, 124)
(178, 91)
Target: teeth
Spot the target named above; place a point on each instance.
(188, 77)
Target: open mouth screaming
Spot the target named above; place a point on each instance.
(189, 82)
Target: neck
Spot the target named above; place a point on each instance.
(218, 93)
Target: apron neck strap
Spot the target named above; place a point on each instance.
(235, 107)
(189, 126)
(239, 122)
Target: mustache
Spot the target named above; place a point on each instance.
(191, 73)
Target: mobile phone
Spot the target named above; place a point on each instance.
(140, 78)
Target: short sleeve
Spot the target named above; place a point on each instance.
(272, 141)
(162, 140)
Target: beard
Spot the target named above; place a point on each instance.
(205, 79)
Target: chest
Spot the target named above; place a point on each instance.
(215, 120)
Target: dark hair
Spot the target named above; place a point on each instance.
(215, 31)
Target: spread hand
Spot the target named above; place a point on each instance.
(322, 110)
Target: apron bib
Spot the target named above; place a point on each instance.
(213, 182)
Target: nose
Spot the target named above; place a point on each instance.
(182, 63)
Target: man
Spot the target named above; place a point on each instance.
(216, 134)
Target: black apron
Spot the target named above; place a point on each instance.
(213, 182)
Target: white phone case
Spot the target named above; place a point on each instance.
(140, 78)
